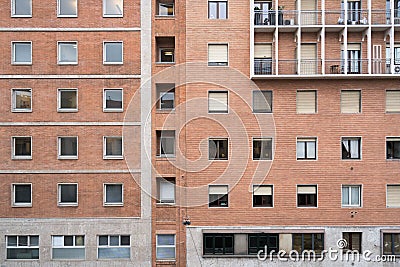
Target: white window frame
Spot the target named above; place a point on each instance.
(359, 198)
(14, 99)
(302, 139)
(59, 203)
(18, 205)
(360, 147)
(111, 246)
(272, 194)
(209, 194)
(162, 180)
(105, 54)
(59, 109)
(390, 206)
(59, 148)
(359, 103)
(13, 156)
(253, 98)
(218, 111)
(297, 193)
(105, 15)
(105, 109)
(13, 62)
(29, 246)
(16, 15)
(158, 11)
(66, 16)
(218, 139)
(105, 195)
(63, 246)
(159, 149)
(208, 54)
(59, 53)
(105, 156)
(166, 246)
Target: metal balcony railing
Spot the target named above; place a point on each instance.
(263, 66)
(380, 17)
(310, 17)
(354, 66)
(287, 67)
(310, 66)
(272, 18)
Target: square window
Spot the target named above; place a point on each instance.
(68, 194)
(67, 100)
(165, 9)
(218, 102)
(262, 101)
(22, 147)
(257, 242)
(67, 53)
(393, 148)
(22, 247)
(166, 96)
(306, 196)
(218, 149)
(351, 148)
(353, 241)
(262, 149)
(21, 100)
(217, 9)
(306, 148)
(306, 102)
(217, 55)
(165, 247)
(112, 53)
(391, 244)
(113, 195)
(112, 100)
(262, 196)
(350, 101)
(68, 147)
(166, 55)
(113, 147)
(351, 196)
(392, 101)
(22, 53)
(313, 242)
(67, 8)
(21, 8)
(166, 190)
(218, 196)
(165, 143)
(22, 195)
(68, 247)
(393, 196)
(113, 8)
(218, 244)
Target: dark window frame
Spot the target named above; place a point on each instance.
(270, 93)
(313, 241)
(254, 250)
(303, 140)
(346, 155)
(392, 244)
(219, 152)
(218, 251)
(349, 236)
(391, 148)
(305, 200)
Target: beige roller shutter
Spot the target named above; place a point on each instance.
(262, 190)
(306, 102)
(218, 101)
(218, 189)
(217, 53)
(352, 47)
(307, 189)
(350, 101)
(393, 101)
(307, 17)
(308, 59)
(393, 196)
(262, 51)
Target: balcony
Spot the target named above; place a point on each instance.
(263, 66)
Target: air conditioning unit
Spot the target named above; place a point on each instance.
(396, 69)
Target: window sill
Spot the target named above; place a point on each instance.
(67, 16)
(113, 16)
(305, 207)
(167, 157)
(262, 159)
(113, 63)
(67, 110)
(394, 160)
(21, 16)
(67, 157)
(166, 261)
(226, 207)
(22, 205)
(165, 111)
(113, 157)
(21, 110)
(165, 63)
(306, 159)
(22, 64)
(351, 207)
(166, 205)
(22, 157)
(67, 205)
(113, 110)
(113, 205)
(67, 63)
(171, 17)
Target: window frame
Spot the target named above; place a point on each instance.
(14, 204)
(59, 15)
(165, 246)
(159, 137)
(217, 64)
(112, 204)
(59, 192)
(28, 246)
(218, 205)
(105, 109)
(14, 108)
(359, 101)
(59, 156)
(272, 195)
(158, 9)
(59, 93)
(350, 241)
(350, 205)
(268, 236)
(386, 102)
(307, 140)
(261, 139)
(68, 247)
(217, 148)
(391, 139)
(13, 15)
(297, 196)
(223, 236)
(392, 234)
(218, 2)
(106, 15)
(316, 101)
(256, 111)
(105, 62)
(16, 157)
(350, 138)
(13, 54)
(218, 111)
(59, 44)
(313, 242)
(386, 196)
(109, 246)
(105, 156)
(160, 53)
(161, 180)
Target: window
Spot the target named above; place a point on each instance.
(166, 96)
(113, 8)
(113, 148)
(306, 102)
(22, 195)
(165, 143)
(166, 190)
(165, 247)
(392, 101)
(217, 55)
(112, 53)
(22, 247)
(307, 148)
(218, 196)
(67, 8)
(351, 148)
(351, 196)
(393, 148)
(22, 147)
(112, 100)
(68, 247)
(114, 247)
(353, 58)
(218, 244)
(67, 53)
(262, 149)
(166, 55)
(21, 8)
(350, 101)
(393, 196)
(313, 242)
(353, 241)
(353, 11)
(218, 102)
(391, 243)
(218, 149)
(113, 195)
(262, 196)
(258, 242)
(67, 100)
(306, 196)
(262, 101)
(68, 147)
(165, 9)
(217, 9)
(67, 194)
(22, 53)
(21, 100)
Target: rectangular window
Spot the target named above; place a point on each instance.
(113, 53)
(393, 148)
(303, 242)
(217, 55)
(306, 196)
(218, 102)
(393, 196)
(22, 147)
(218, 149)
(22, 247)
(351, 148)
(166, 96)
(218, 244)
(21, 100)
(113, 8)
(306, 102)
(218, 196)
(307, 148)
(21, 8)
(165, 9)
(392, 101)
(262, 149)
(262, 196)
(217, 9)
(68, 247)
(67, 53)
(391, 244)
(350, 101)
(262, 101)
(257, 242)
(67, 100)
(353, 241)
(113, 195)
(68, 194)
(113, 147)
(351, 196)
(114, 247)
(165, 143)
(22, 195)
(165, 247)
(68, 147)
(21, 53)
(67, 8)
(166, 55)
(113, 100)
(166, 190)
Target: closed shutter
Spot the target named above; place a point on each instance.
(262, 190)
(393, 101)
(262, 51)
(306, 102)
(307, 189)
(218, 101)
(350, 101)
(393, 196)
(308, 59)
(218, 53)
(218, 189)
(167, 192)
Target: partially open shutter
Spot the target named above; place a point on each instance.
(218, 53)
(262, 190)
(218, 189)
(307, 189)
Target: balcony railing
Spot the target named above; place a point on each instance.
(311, 17)
(354, 66)
(263, 66)
(287, 67)
(380, 17)
(310, 66)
